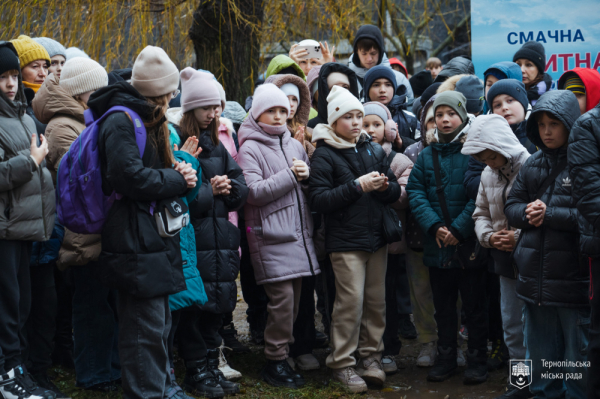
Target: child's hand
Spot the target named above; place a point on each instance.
(188, 173)
(535, 212)
(385, 184)
(38, 153)
(398, 139)
(191, 147)
(299, 135)
(450, 240)
(440, 235)
(221, 185)
(301, 169)
(370, 182)
(508, 241)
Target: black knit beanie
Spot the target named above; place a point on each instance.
(8, 60)
(429, 92)
(420, 81)
(534, 52)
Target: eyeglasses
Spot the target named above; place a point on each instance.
(175, 93)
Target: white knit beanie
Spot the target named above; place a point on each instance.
(154, 74)
(339, 102)
(80, 75)
(221, 93)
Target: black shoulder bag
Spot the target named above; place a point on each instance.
(391, 222)
(468, 253)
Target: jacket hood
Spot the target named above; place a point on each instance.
(562, 104)
(17, 107)
(431, 137)
(450, 83)
(120, 93)
(174, 115)
(456, 66)
(510, 69)
(250, 130)
(51, 100)
(591, 81)
(281, 62)
(492, 132)
(398, 102)
(368, 32)
(323, 89)
(328, 136)
(304, 109)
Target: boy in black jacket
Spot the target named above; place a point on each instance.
(552, 281)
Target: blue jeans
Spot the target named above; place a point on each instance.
(556, 334)
(95, 329)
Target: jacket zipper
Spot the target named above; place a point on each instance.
(312, 270)
(368, 199)
(541, 271)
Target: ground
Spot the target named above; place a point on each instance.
(408, 383)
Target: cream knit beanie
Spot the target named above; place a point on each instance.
(154, 74)
(339, 102)
(80, 75)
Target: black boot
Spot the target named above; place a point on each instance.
(257, 322)
(498, 356)
(477, 371)
(279, 374)
(445, 365)
(200, 381)
(230, 388)
(406, 327)
(230, 340)
(43, 381)
(321, 340)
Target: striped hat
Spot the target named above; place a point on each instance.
(575, 84)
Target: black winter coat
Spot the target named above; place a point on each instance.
(323, 89)
(353, 219)
(547, 257)
(217, 239)
(135, 258)
(584, 163)
(456, 66)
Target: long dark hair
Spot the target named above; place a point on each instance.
(190, 126)
(158, 131)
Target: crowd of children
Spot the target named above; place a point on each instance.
(130, 202)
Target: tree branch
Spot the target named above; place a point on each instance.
(451, 35)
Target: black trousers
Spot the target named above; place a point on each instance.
(445, 285)
(326, 284)
(197, 332)
(494, 312)
(15, 300)
(402, 290)
(254, 295)
(304, 326)
(63, 338)
(391, 342)
(40, 327)
(593, 354)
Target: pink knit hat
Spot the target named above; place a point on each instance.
(267, 96)
(377, 108)
(198, 89)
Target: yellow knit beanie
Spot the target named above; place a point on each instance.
(29, 50)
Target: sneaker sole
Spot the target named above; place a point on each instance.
(391, 372)
(308, 368)
(442, 378)
(275, 383)
(372, 378)
(353, 389)
(423, 364)
(233, 391)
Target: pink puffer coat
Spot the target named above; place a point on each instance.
(276, 203)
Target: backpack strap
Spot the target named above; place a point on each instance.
(560, 166)
(138, 123)
(439, 188)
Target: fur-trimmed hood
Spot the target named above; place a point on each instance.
(304, 108)
(450, 83)
(432, 136)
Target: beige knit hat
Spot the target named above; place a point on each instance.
(154, 74)
(80, 75)
(339, 102)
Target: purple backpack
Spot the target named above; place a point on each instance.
(81, 205)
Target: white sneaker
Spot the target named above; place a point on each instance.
(389, 365)
(11, 387)
(229, 373)
(460, 358)
(427, 355)
(307, 362)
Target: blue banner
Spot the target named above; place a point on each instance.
(569, 31)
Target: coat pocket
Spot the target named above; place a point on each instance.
(279, 221)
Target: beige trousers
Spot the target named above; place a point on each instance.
(284, 298)
(358, 318)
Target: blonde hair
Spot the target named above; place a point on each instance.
(158, 131)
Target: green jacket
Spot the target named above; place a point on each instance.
(281, 62)
(425, 205)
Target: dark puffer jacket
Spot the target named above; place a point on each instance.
(323, 89)
(135, 258)
(456, 66)
(547, 257)
(584, 164)
(217, 239)
(353, 219)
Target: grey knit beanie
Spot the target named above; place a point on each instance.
(74, 52)
(472, 88)
(80, 75)
(234, 112)
(52, 46)
(454, 100)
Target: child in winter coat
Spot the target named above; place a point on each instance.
(499, 71)
(352, 185)
(279, 222)
(27, 208)
(553, 280)
(217, 240)
(585, 84)
(492, 141)
(378, 123)
(447, 275)
(380, 85)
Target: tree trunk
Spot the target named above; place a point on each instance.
(228, 49)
